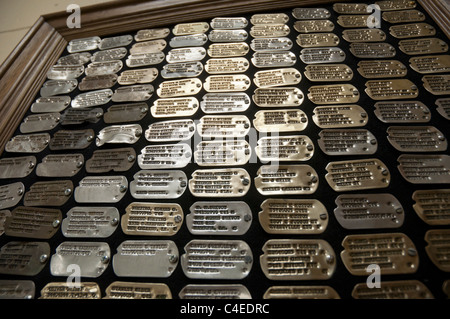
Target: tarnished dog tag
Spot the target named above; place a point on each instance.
(278, 97)
(222, 153)
(119, 134)
(146, 258)
(437, 84)
(23, 258)
(226, 182)
(269, 18)
(11, 194)
(92, 258)
(65, 290)
(369, 211)
(379, 69)
(60, 165)
(413, 30)
(39, 122)
(31, 143)
(307, 26)
(271, 44)
(17, 289)
(114, 42)
(310, 13)
(219, 218)
(50, 104)
(148, 46)
(143, 59)
(438, 246)
(3, 215)
(416, 139)
(402, 112)
(84, 44)
(224, 50)
(228, 35)
(390, 5)
(284, 148)
(403, 16)
(277, 77)
(228, 291)
(191, 40)
(151, 34)
(175, 107)
(286, 180)
(293, 216)
(130, 112)
(170, 131)
(350, 8)
(109, 55)
(102, 68)
(137, 290)
(57, 87)
(71, 140)
(328, 72)
(364, 35)
(355, 21)
(314, 40)
(217, 259)
(322, 55)
(333, 94)
(347, 142)
(401, 289)
(227, 83)
(425, 169)
(165, 156)
(75, 59)
(443, 107)
(423, 46)
(113, 160)
(394, 253)
(269, 30)
(79, 116)
(391, 89)
(152, 219)
(372, 50)
(298, 259)
(33, 222)
(190, 28)
(134, 93)
(433, 206)
(52, 193)
(101, 189)
(182, 70)
(227, 65)
(430, 64)
(186, 55)
(95, 82)
(223, 126)
(93, 98)
(357, 175)
(289, 120)
(158, 184)
(213, 103)
(65, 72)
(16, 167)
(301, 292)
(181, 87)
(90, 222)
(273, 59)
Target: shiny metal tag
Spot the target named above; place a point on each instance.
(390, 5)
(228, 35)
(224, 50)
(430, 64)
(186, 55)
(403, 16)
(175, 107)
(23, 258)
(401, 289)
(437, 84)
(273, 59)
(152, 219)
(93, 98)
(227, 291)
(101, 189)
(284, 148)
(225, 182)
(213, 103)
(353, 175)
(310, 13)
(438, 241)
(65, 72)
(182, 70)
(227, 83)
(102, 68)
(336, 142)
(109, 55)
(80, 116)
(301, 292)
(416, 139)
(328, 72)
(372, 50)
(271, 44)
(144, 59)
(379, 69)
(151, 34)
(288, 120)
(402, 112)
(222, 153)
(364, 35)
(71, 140)
(50, 104)
(227, 65)
(190, 28)
(84, 44)
(75, 59)
(307, 26)
(130, 112)
(137, 258)
(119, 134)
(424, 169)
(432, 206)
(114, 42)
(57, 87)
(286, 180)
(293, 216)
(52, 193)
(31, 143)
(314, 40)
(269, 30)
(137, 290)
(139, 76)
(443, 107)
(17, 167)
(391, 89)
(158, 184)
(223, 126)
(333, 94)
(278, 97)
(369, 211)
(322, 55)
(95, 82)
(113, 160)
(191, 40)
(170, 131)
(298, 259)
(269, 18)
(177, 88)
(277, 77)
(217, 259)
(413, 30)
(355, 21)
(17, 289)
(11, 194)
(422, 46)
(394, 253)
(60, 165)
(350, 8)
(148, 46)
(134, 93)
(39, 122)
(65, 290)
(165, 156)
(90, 222)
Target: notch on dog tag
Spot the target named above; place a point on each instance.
(289, 120)
(430, 64)
(443, 107)
(307, 26)
(224, 50)
(71, 140)
(118, 134)
(372, 50)
(101, 189)
(226, 182)
(391, 89)
(422, 46)
(140, 76)
(90, 222)
(52, 193)
(284, 148)
(178, 88)
(191, 40)
(75, 59)
(11, 194)
(57, 87)
(228, 35)
(377, 69)
(39, 122)
(17, 289)
(185, 55)
(277, 77)
(310, 13)
(182, 70)
(109, 55)
(137, 290)
(214, 103)
(301, 292)
(120, 113)
(401, 289)
(153, 46)
(339, 116)
(223, 126)
(16, 167)
(165, 156)
(65, 72)
(278, 97)
(175, 107)
(23, 258)
(151, 34)
(50, 104)
(190, 28)
(31, 143)
(228, 291)
(269, 30)
(144, 59)
(425, 169)
(269, 18)
(114, 42)
(227, 83)
(322, 55)
(271, 44)
(328, 72)
(413, 30)
(432, 206)
(158, 184)
(60, 165)
(333, 94)
(222, 153)
(437, 84)
(402, 112)
(83, 44)
(103, 68)
(93, 98)
(416, 139)
(113, 160)
(227, 65)
(95, 82)
(170, 131)
(314, 40)
(134, 93)
(347, 142)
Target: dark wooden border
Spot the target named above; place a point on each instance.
(24, 71)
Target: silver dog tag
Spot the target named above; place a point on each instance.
(227, 65)
(50, 104)
(90, 222)
(57, 87)
(339, 116)
(101, 189)
(11, 194)
(93, 98)
(213, 103)
(424, 169)
(328, 72)
(371, 50)
(119, 134)
(60, 165)
(102, 68)
(226, 153)
(278, 97)
(148, 46)
(185, 55)
(191, 40)
(71, 139)
(157, 184)
(271, 44)
(228, 23)
(170, 131)
(307, 26)
(416, 139)
(39, 122)
(177, 88)
(182, 70)
(121, 113)
(333, 94)
(151, 34)
(228, 291)
(227, 83)
(228, 35)
(115, 160)
(275, 59)
(114, 42)
(269, 18)
(322, 55)
(402, 112)
(224, 182)
(144, 59)
(65, 72)
(223, 126)
(24, 258)
(288, 120)
(53, 193)
(79, 116)
(134, 93)
(347, 142)
(84, 44)
(284, 148)
(96, 82)
(175, 107)
(165, 156)
(32, 143)
(109, 55)
(277, 77)
(75, 59)
(311, 13)
(17, 167)
(224, 50)
(190, 28)
(139, 76)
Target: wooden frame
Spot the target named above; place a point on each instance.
(24, 71)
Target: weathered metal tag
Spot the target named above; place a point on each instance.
(355, 21)
(347, 142)
(158, 184)
(65, 290)
(137, 290)
(226, 153)
(401, 289)
(402, 112)
(273, 59)
(289, 120)
(438, 246)
(23, 258)
(191, 40)
(277, 77)
(39, 122)
(109, 55)
(228, 35)
(90, 222)
(65, 72)
(293, 216)
(52, 193)
(403, 16)
(190, 28)
(310, 13)
(84, 44)
(102, 68)
(152, 219)
(175, 107)
(101, 189)
(269, 18)
(284, 148)
(372, 50)
(181, 87)
(130, 112)
(271, 44)
(333, 94)
(322, 55)
(185, 55)
(443, 107)
(298, 259)
(140, 76)
(437, 84)
(31, 143)
(350, 8)
(114, 42)
(301, 292)
(17, 289)
(225, 182)
(227, 83)
(60, 165)
(229, 291)
(148, 46)
(11, 194)
(151, 34)
(413, 30)
(432, 206)
(137, 258)
(379, 69)
(71, 140)
(165, 156)
(16, 167)
(182, 70)
(269, 30)
(50, 104)
(134, 93)
(113, 160)
(223, 126)
(391, 89)
(224, 50)
(119, 134)
(364, 35)
(430, 64)
(227, 65)
(217, 259)
(79, 116)
(314, 40)
(286, 180)
(425, 169)
(95, 82)
(170, 131)
(143, 59)
(328, 72)
(390, 5)
(213, 103)
(278, 97)
(57, 87)
(307, 26)
(93, 98)
(416, 139)
(3, 214)
(394, 253)
(75, 59)
(423, 46)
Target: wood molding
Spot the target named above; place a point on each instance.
(439, 12)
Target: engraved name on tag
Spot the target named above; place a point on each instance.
(278, 97)
(17, 167)
(65, 72)
(364, 35)
(190, 28)
(52, 193)
(271, 44)
(430, 64)
(381, 69)
(192, 40)
(137, 290)
(328, 72)
(157, 184)
(24, 258)
(133, 93)
(39, 122)
(175, 107)
(130, 112)
(310, 13)
(109, 55)
(226, 182)
(17, 289)
(307, 26)
(432, 206)
(93, 98)
(102, 68)
(223, 126)
(119, 134)
(301, 292)
(101, 189)
(289, 120)
(139, 76)
(322, 55)
(148, 46)
(438, 241)
(114, 160)
(75, 59)
(223, 50)
(143, 59)
(57, 87)
(269, 30)
(170, 131)
(416, 138)
(355, 21)
(228, 35)
(165, 156)
(339, 116)
(95, 82)
(228, 291)
(114, 42)
(269, 18)
(425, 169)
(151, 34)
(314, 40)
(347, 142)
(31, 143)
(227, 65)
(277, 77)
(226, 153)
(226, 83)
(177, 88)
(83, 44)
(185, 55)
(413, 30)
(422, 46)
(372, 50)
(65, 290)
(50, 104)
(71, 139)
(391, 89)
(437, 84)
(213, 103)
(60, 165)
(403, 16)
(11, 194)
(284, 148)
(333, 94)
(402, 112)
(90, 222)
(182, 70)
(350, 8)
(401, 289)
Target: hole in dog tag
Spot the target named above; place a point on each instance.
(134, 93)
(356, 21)
(289, 120)
(432, 206)
(118, 134)
(31, 143)
(224, 50)
(339, 116)
(191, 40)
(144, 59)
(50, 104)
(71, 140)
(328, 72)
(382, 69)
(11, 194)
(165, 156)
(322, 55)
(65, 72)
(443, 107)
(391, 89)
(364, 35)
(93, 98)
(84, 44)
(131, 112)
(271, 44)
(114, 42)
(137, 258)
(52, 193)
(57, 87)
(286, 180)
(158, 184)
(416, 139)
(226, 153)
(273, 59)
(226, 23)
(403, 16)
(90, 222)
(269, 18)
(96, 82)
(223, 126)
(269, 30)
(278, 97)
(148, 47)
(402, 112)
(298, 259)
(60, 165)
(40, 122)
(423, 46)
(80, 116)
(333, 94)
(314, 40)
(170, 131)
(17, 289)
(347, 142)
(437, 84)
(23, 258)
(176, 107)
(65, 290)
(226, 83)
(350, 8)
(152, 219)
(307, 26)
(374, 50)
(214, 103)
(277, 77)
(226, 182)
(301, 292)
(390, 5)
(284, 148)
(113, 160)
(182, 70)
(179, 88)
(103, 68)
(228, 35)
(185, 55)
(137, 290)
(109, 55)
(310, 13)
(151, 34)
(75, 59)
(430, 64)
(401, 289)
(425, 169)
(293, 216)
(229, 291)
(438, 241)
(101, 189)
(413, 30)
(17, 167)
(190, 28)
(227, 65)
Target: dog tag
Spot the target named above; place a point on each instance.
(271, 44)
(423, 46)
(310, 13)
(190, 28)
(227, 65)
(134, 93)
(182, 70)
(23, 258)
(339, 116)
(226, 153)
(39, 122)
(390, 5)
(65, 290)
(191, 40)
(165, 156)
(80, 116)
(277, 77)
(214, 103)
(11, 194)
(227, 83)
(95, 82)
(416, 139)
(425, 169)
(443, 107)
(65, 72)
(347, 142)
(157, 184)
(153, 46)
(90, 222)
(113, 160)
(228, 35)
(140, 76)
(269, 30)
(84, 44)
(170, 131)
(175, 107)
(380, 69)
(16, 167)
(130, 112)
(114, 42)
(101, 189)
(269, 18)
(430, 64)
(284, 148)
(71, 140)
(391, 89)
(401, 289)
(223, 126)
(322, 55)
(402, 112)
(75, 59)
(432, 206)
(17, 289)
(350, 8)
(224, 50)
(301, 292)
(50, 104)
(57, 87)
(103, 68)
(273, 59)
(144, 59)
(403, 16)
(52, 193)
(356, 21)
(60, 165)
(226, 182)
(333, 94)
(179, 88)
(307, 26)
(229, 291)
(413, 30)
(109, 55)
(137, 290)
(437, 84)
(328, 72)
(118, 134)
(3, 215)
(289, 120)
(374, 50)
(185, 55)
(364, 35)
(31, 143)
(314, 40)
(278, 97)
(151, 34)
(93, 98)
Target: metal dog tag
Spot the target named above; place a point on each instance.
(443, 107)
(113, 160)
(389, 5)
(84, 44)
(50, 104)
(102, 68)
(60, 165)
(165, 156)
(16, 167)
(190, 28)
(328, 72)
(401, 289)
(138, 258)
(333, 94)
(269, 30)
(347, 142)
(182, 70)
(23, 258)
(75, 59)
(425, 169)
(39, 122)
(432, 206)
(307, 26)
(137, 290)
(364, 35)
(373, 50)
(226, 182)
(227, 83)
(227, 23)
(175, 107)
(402, 112)
(350, 8)
(379, 69)
(90, 222)
(430, 64)
(101, 189)
(151, 34)
(423, 46)
(17, 289)
(310, 13)
(403, 16)
(134, 93)
(437, 84)
(130, 112)
(269, 18)
(217, 259)
(413, 30)
(71, 140)
(57, 87)
(293, 216)
(322, 55)
(65, 72)
(79, 116)
(274, 59)
(114, 42)
(185, 55)
(224, 50)
(271, 44)
(93, 98)
(95, 82)
(179, 88)
(284, 148)
(3, 215)
(229, 291)
(11, 194)
(286, 180)
(289, 120)
(228, 35)
(223, 126)
(226, 153)
(65, 290)
(153, 46)
(227, 65)
(213, 103)
(109, 55)
(118, 134)
(170, 131)
(416, 139)
(144, 59)
(298, 259)
(191, 40)
(52, 193)
(391, 89)
(394, 253)
(152, 219)
(278, 97)
(277, 77)
(355, 21)
(301, 292)
(32, 143)
(314, 40)
(158, 184)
